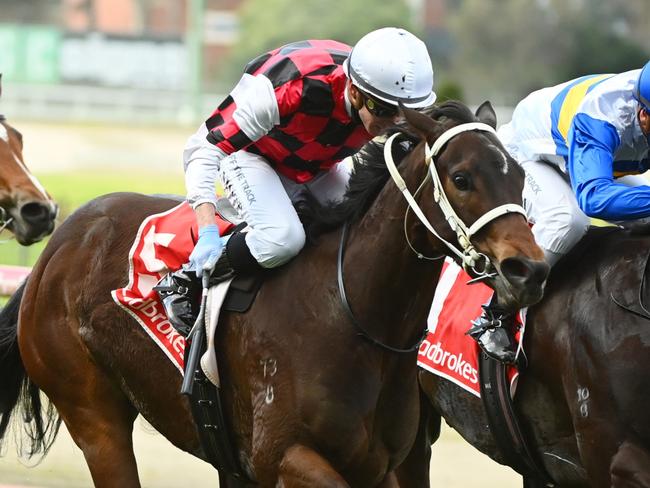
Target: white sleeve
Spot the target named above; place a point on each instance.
(201, 162)
(255, 114)
(257, 108)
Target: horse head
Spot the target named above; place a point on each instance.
(475, 207)
(25, 207)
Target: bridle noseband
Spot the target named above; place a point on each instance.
(468, 255)
(5, 220)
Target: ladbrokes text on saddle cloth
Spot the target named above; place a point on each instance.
(447, 351)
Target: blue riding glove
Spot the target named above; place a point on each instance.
(207, 250)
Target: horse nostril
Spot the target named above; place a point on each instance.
(36, 213)
(524, 271)
(541, 269)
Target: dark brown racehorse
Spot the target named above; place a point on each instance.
(310, 402)
(584, 398)
(26, 208)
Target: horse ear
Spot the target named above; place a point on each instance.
(485, 114)
(424, 125)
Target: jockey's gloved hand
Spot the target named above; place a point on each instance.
(207, 250)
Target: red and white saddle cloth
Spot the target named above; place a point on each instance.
(163, 243)
(446, 350)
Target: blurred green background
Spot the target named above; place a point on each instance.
(177, 55)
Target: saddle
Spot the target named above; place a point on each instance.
(180, 291)
(243, 289)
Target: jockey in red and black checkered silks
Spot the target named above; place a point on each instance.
(287, 126)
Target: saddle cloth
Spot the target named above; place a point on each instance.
(446, 351)
(163, 244)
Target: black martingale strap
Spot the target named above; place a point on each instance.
(502, 419)
(207, 410)
(346, 305)
(205, 399)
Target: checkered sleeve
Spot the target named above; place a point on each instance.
(246, 115)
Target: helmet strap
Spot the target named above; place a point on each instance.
(356, 118)
(353, 110)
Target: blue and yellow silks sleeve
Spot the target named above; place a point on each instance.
(592, 145)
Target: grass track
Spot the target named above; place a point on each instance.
(71, 189)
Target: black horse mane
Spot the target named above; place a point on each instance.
(370, 174)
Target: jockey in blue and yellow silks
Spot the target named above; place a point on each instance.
(595, 130)
(583, 145)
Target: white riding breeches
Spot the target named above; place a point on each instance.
(264, 198)
(553, 209)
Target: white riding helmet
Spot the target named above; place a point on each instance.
(392, 65)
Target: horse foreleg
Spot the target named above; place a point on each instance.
(302, 467)
(414, 470)
(630, 467)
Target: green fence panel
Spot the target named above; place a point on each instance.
(10, 65)
(30, 53)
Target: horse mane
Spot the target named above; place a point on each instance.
(370, 174)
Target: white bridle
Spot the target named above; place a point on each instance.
(467, 254)
(5, 220)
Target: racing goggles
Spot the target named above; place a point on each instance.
(379, 109)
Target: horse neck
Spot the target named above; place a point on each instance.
(387, 284)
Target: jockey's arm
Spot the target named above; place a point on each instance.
(249, 113)
(592, 145)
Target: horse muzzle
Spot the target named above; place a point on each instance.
(32, 221)
(520, 282)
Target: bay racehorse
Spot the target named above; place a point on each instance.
(583, 400)
(343, 409)
(26, 209)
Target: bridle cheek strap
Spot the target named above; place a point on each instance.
(467, 254)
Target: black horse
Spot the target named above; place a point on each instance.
(583, 401)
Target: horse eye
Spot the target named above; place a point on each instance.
(461, 180)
